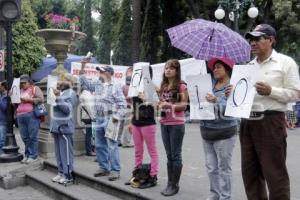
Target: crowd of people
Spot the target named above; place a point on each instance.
(262, 136)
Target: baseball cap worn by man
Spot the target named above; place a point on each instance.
(261, 30)
(108, 69)
(24, 78)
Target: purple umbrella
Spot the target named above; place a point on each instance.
(205, 39)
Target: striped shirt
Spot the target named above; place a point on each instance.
(108, 97)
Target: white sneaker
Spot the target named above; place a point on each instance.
(64, 180)
(24, 160)
(57, 178)
(31, 160)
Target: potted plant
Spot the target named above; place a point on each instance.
(60, 36)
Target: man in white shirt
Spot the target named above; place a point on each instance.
(263, 136)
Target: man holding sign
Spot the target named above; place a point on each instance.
(263, 136)
(108, 95)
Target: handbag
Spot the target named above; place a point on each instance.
(40, 110)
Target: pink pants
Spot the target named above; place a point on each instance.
(147, 133)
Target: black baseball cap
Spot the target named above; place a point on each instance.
(261, 30)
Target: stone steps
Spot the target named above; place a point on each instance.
(85, 187)
(41, 180)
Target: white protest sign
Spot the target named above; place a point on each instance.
(91, 72)
(15, 91)
(149, 88)
(198, 87)
(136, 84)
(240, 101)
(2, 60)
(51, 85)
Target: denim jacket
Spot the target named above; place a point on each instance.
(63, 116)
(221, 120)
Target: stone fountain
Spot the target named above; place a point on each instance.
(58, 43)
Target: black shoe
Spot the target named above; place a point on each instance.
(151, 182)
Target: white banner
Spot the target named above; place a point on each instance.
(189, 66)
(198, 87)
(240, 101)
(91, 72)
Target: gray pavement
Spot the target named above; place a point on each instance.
(22, 193)
(194, 182)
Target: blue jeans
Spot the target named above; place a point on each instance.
(218, 156)
(29, 128)
(2, 136)
(88, 139)
(172, 136)
(107, 151)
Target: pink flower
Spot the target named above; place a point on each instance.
(61, 22)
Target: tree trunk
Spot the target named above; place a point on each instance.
(136, 29)
(194, 7)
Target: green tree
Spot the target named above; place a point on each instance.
(151, 32)
(105, 32)
(286, 22)
(28, 49)
(179, 12)
(136, 29)
(89, 44)
(122, 49)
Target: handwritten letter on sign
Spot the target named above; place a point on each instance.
(240, 101)
(136, 84)
(198, 87)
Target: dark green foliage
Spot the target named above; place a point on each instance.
(105, 32)
(151, 32)
(89, 44)
(173, 13)
(28, 49)
(287, 16)
(122, 49)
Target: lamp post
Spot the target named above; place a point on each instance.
(10, 11)
(234, 6)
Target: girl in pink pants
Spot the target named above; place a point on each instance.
(143, 128)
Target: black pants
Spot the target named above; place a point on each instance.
(263, 149)
(172, 136)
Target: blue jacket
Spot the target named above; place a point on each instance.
(221, 120)
(3, 109)
(63, 115)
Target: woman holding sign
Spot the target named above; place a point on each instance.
(143, 130)
(219, 135)
(173, 102)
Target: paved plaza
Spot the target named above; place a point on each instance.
(194, 182)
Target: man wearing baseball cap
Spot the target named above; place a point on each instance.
(263, 136)
(108, 95)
